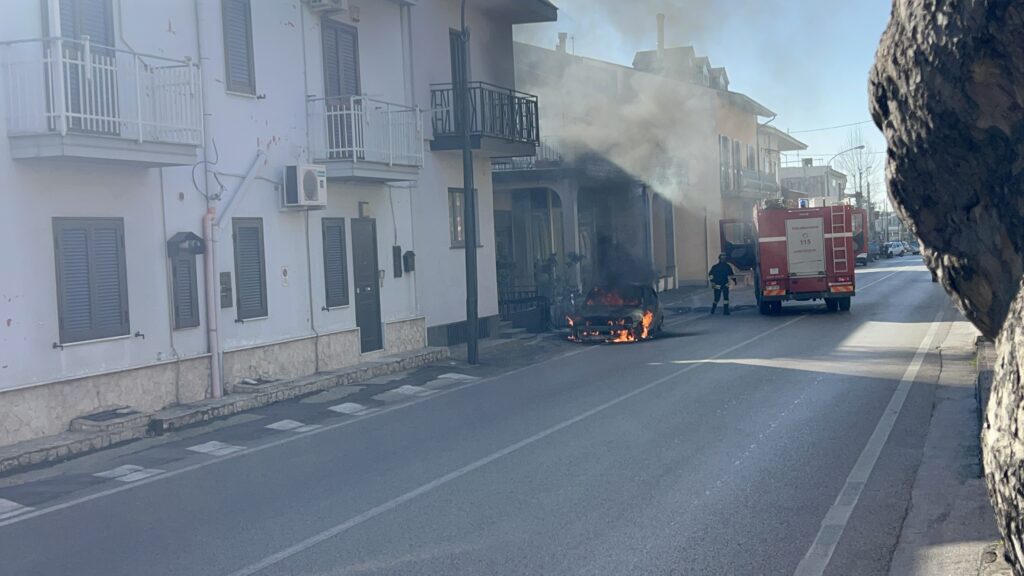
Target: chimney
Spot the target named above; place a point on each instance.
(561, 41)
(661, 34)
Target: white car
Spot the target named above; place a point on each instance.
(895, 249)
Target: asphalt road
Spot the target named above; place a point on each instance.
(718, 450)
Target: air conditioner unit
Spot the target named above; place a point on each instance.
(327, 5)
(305, 186)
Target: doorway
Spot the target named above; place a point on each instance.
(367, 283)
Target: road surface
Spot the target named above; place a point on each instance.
(740, 445)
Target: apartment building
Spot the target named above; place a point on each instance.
(205, 191)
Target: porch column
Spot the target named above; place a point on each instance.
(568, 192)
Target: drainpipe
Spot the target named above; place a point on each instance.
(209, 267)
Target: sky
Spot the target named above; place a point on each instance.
(807, 60)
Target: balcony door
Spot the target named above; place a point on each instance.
(341, 83)
(90, 76)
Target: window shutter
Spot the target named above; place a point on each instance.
(91, 278)
(185, 296)
(90, 18)
(238, 62)
(75, 294)
(335, 262)
(108, 281)
(250, 268)
(341, 59)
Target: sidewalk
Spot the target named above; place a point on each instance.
(950, 528)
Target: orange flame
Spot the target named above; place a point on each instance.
(647, 321)
(625, 335)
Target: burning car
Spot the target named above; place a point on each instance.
(626, 313)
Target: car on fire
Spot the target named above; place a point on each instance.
(624, 313)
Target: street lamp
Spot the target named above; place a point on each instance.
(468, 193)
(829, 164)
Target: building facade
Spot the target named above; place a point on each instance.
(153, 167)
(814, 181)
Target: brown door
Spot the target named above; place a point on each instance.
(365, 275)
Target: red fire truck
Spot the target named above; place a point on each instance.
(799, 254)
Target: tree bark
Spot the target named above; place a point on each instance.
(947, 89)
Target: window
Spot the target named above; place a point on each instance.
(250, 268)
(184, 291)
(238, 61)
(335, 262)
(92, 287)
(751, 162)
(341, 59)
(456, 212)
(92, 18)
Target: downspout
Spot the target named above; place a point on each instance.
(407, 54)
(309, 260)
(209, 268)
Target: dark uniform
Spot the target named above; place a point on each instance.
(719, 275)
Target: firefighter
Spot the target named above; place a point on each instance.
(719, 276)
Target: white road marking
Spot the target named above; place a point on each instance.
(441, 481)
(413, 391)
(350, 409)
(129, 473)
(9, 509)
(216, 448)
(285, 425)
(285, 440)
(307, 428)
(457, 376)
(832, 526)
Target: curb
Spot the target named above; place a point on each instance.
(63, 446)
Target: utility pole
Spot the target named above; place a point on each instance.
(468, 195)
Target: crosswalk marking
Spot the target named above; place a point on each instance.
(129, 473)
(413, 390)
(215, 448)
(457, 376)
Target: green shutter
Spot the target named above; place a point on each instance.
(335, 262)
(238, 60)
(250, 268)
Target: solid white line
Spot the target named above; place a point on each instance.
(441, 481)
(834, 523)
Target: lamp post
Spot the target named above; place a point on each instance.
(829, 164)
(468, 193)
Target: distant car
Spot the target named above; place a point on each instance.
(915, 247)
(895, 249)
(625, 313)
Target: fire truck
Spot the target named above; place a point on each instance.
(805, 253)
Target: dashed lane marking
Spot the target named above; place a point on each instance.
(293, 426)
(9, 509)
(351, 409)
(128, 473)
(215, 448)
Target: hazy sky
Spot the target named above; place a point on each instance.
(807, 60)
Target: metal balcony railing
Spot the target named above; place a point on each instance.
(362, 129)
(494, 111)
(58, 85)
(551, 151)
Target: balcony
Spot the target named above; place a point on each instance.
(361, 139)
(503, 122)
(748, 183)
(71, 99)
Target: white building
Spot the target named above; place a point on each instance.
(814, 181)
(134, 119)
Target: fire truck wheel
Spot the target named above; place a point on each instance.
(844, 304)
(766, 308)
(776, 307)
(831, 304)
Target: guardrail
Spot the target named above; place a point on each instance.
(59, 85)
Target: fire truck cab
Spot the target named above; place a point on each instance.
(805, 254)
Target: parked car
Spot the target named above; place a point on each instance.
(895, 249)
(625, 313)
(862, 259)
(915, 247)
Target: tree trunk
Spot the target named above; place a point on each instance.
(947, 89)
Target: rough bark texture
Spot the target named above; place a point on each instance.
(947, 89)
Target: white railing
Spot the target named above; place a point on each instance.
(58, 85)
(362, 129)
